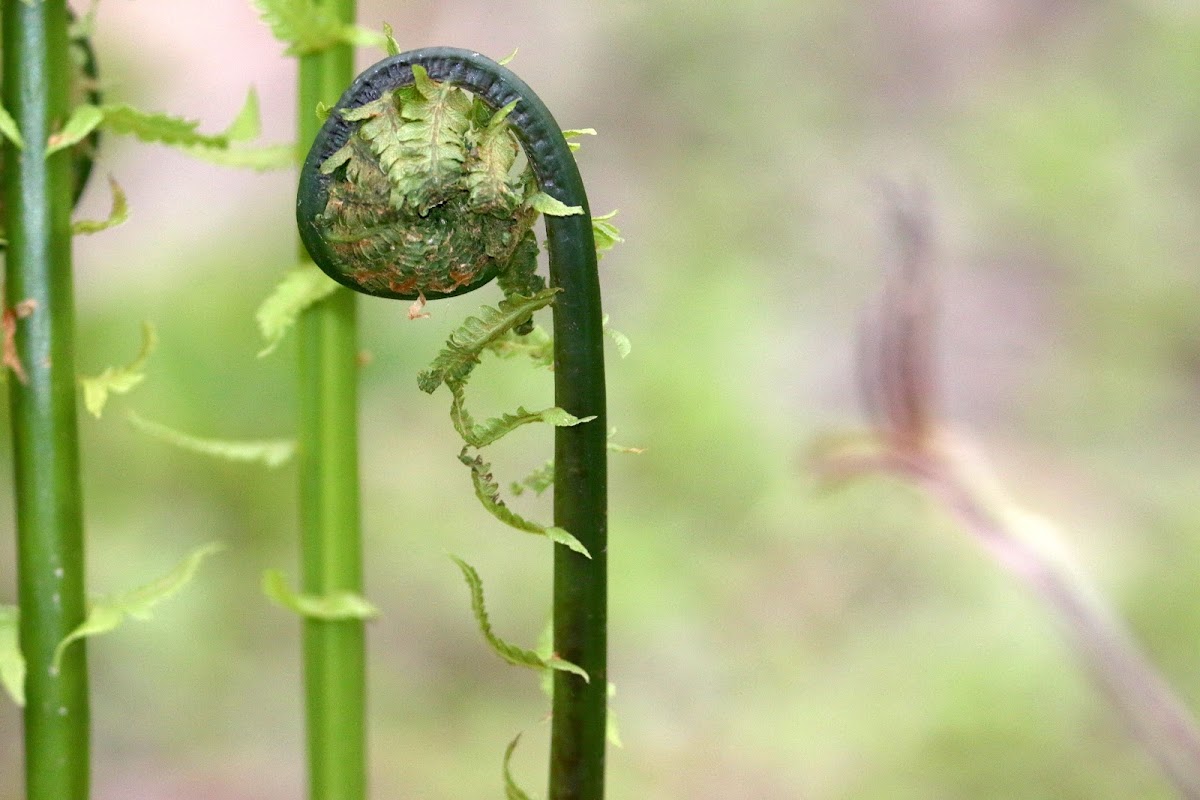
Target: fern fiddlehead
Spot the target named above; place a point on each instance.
(394, 123)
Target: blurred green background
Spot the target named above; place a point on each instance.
(768, 640)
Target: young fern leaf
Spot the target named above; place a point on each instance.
(518, 656)
(537, 346)
(481, 435)
(152, 127)
(537, 481)
(83, 120)
(490, 164)
(488, 492)
(390, 45)
(300, 288)
(107, 613)
(605, 233)
(307, 27)
(430, 144)
(118, 215)
(118, 380)
(551, 206)
(460, 355)
(268, 452)
(331, 607)
(511, 790)
(571, 134)
(624, 346)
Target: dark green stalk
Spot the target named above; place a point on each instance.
(331, 543)
(38, 199)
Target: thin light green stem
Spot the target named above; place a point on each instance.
(331, 544)
(37, 194)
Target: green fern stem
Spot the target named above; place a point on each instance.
(39, 302)
(331, 544)
(580, 504)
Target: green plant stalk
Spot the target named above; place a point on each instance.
(579, 710)
(580, 505)
(50, 583)
(331, 542)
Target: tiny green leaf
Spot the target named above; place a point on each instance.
(83, 120)
(303, 25)
(362, 37)
(300, 288)
(605, 233)
(563, 537)
(460, 355)
(118, 215)
(552, 207)
(561, 665)
(391, 46)
(517, 656)
(537, 481)
(331, 607)
(269, 452)
(571, 134)
(624, 346)
(504, 62)
(118, 380)
(107, 613)
(537, 346)
(154, 127)
(248, 123)
(481, 435)
(511, 790)
(12, 664)
(9, 129)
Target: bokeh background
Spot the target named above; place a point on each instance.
(769, 640)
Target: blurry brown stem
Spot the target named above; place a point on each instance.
(896, 356)
(1015, 539)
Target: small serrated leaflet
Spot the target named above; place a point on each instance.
(511, 790)
(571, 134)
(605, 233)
(390, 45)
(564, 537)
(155, 127)
(624, 346)
(300, 288)
(83, 120)
(552, 207)
(464, 346)
(268, 452)
(107, 613)
(117, 215)
(248, 123)
(518, 656)
(118, 380)
(304, 26)
(332, 607)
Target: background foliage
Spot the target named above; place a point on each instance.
(767, 640)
